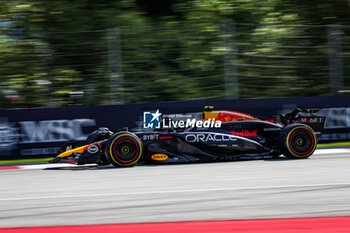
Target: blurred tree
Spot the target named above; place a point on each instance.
(54, 53)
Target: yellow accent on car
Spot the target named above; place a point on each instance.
(159, 157)
(70, 152)
(299, 141)
(208, 114)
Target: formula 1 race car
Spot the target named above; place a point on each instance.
(240, 136)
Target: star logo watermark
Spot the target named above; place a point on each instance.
(152, 119)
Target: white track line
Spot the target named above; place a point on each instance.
(331, 151)
(58, 165)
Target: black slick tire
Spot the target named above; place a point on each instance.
(297, 141)
(123, 149)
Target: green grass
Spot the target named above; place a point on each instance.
(334, 144)
(21, 161)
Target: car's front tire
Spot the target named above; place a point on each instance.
(123, 149)
(297, 141)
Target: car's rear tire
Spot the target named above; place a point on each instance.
(123, 149)
(297, 141)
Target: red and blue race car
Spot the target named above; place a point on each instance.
(240, 136)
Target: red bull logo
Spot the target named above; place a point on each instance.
(245, 133)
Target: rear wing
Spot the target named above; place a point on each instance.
(305, 116)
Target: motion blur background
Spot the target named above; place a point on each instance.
(231, 54)
(83, 52)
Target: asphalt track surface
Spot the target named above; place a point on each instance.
(260, 189)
